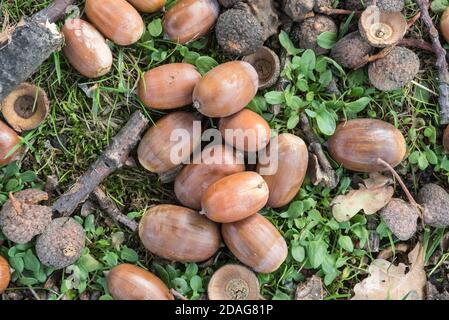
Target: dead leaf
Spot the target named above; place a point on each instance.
(371, 196)
(312, 289)
(389, 282)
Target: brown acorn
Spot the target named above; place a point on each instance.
(235, 197)
(246, 131)
(446, 139)
(8, 141)
(117, 20)
(5, 274)
(86, 49)
(129, 282)
(156, 150)
(169, 86)
(226, 89)
(284, 168)
(256, 242)
(215, 163)
(358, 144)
(179, 234)
(148, 6)
(189, 20)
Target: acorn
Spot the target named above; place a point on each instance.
(5, 274)
(246, 131)
(401, 218)
(358, 143)
(382, 28)
(435, 203)
(306, 34)
(161, 149)
(228, 3)
(117, 20)
(148, 6)
(226, 89)
(351, 51)
(235, 197)
(387, 5)
(267, 65)
(444, 25)
(283, 168)
(394, 71)
(233, 282)
(169, 86)
(215, 163)
(189, 20)
(298, 10)
(129, 282)
(8, 142)
(179, 234)
(26, 107)
(446, 139)
(22, 218)
(86, 49)
(256, 242)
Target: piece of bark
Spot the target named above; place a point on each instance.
(441, 62)
(111, 209)
(312, 289)
(28, 45)
(432, 293)
(112, 159)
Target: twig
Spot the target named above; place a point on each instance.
(413, 20)
(416, 43)
(332, 11)
(112, 159)
(111, 209)
(178, 295)
(441, 63)
(380, 55)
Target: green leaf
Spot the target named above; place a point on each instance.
(326, 122)
(129, 255)
(28, 281)
(28, 176)
(279, 295)
(12, 185)
(288, 44)
(431, 156)
(258, 105)
(298, 253)
(316, 252)
(275, 97)
(302, 85)
(191, 270)
(161, 273)
(31, 262)
(358, 105)
(155, 27)
(17, 264)
(191, 57)
(423, 163)
(196, 283)
(307, 63)
(205, 64)
(111, 259)
(345, 243)
(181, 285)
(325, 78)
(438, 6)
(89, 263)
(293, 121)
(326, 40)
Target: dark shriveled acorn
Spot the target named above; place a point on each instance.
(256, 242)
(401, 217)
(129, 282)
(358, 144)
(434, 201)
(189, 20)
(351, 51)
(179, 234)
(306, 34)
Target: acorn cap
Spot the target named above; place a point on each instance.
(381, 28)
(435, 202)
(394, 71)
(238, 32)
(233, 282)
(351, 51)
(61, 244)
(401, 217)
(267, 65)
(306, 34)
(21, 218)
(298, 10)
(26, 107)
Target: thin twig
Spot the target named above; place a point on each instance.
(416, 43)
(178, 295)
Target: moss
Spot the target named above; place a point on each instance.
(306, 34)
(401, 217)
(395, 70)
(238, 32)
(435, 202)
(351, 50)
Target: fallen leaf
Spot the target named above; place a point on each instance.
(389, 282)
(371, 196)
(312, 289)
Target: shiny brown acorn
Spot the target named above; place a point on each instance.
(169, 86)
(246, 131)
(8, 140)
(256, 242)
(86, 49)
(148, 6)
(5, 274)
(358, 144)
(226, 89)
(444, 25)
(235, 197)
(179, 234)
(117, 20)
(189, 20)
(446, 139)
(284, 167)
(215, 163)
(129, 282)
(155, 149)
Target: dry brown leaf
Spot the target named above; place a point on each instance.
(371, 196)
(389, 282)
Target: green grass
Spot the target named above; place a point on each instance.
(86, 114)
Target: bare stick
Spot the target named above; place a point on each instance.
(178, 295)
(416, 43)
(54, 11)
(441, 63)
(112, 159)
(111, 209)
